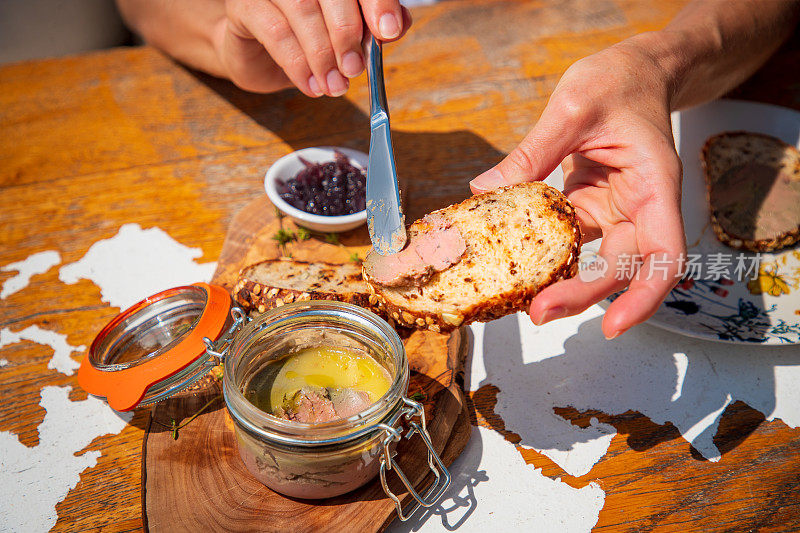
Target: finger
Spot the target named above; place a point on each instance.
(568, 164)
(556, 135)
(308, 24)
(249, 66)
(643, 297)
(385, 18)
(265, 22)
(575, 295)
(590, 229)
(660, 238)
(407, 21)
(343, 20)
(587, 188)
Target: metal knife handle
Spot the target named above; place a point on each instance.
(373, 54)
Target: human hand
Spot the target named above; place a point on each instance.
(315, 45)
(608, 124)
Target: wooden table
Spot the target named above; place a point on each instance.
(92, 142)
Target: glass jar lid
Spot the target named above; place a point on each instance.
(155, 348)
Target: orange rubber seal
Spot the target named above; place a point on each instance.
(125, 388)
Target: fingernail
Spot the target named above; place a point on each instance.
(388, 26)
(337, 84)
(489, 180)
(554, 313)
(314, 86)
(352, 64)
(615, 334)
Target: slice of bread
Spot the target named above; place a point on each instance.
(274, 283)
(753, 189)
(519, 240)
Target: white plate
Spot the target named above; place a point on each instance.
(728, 310)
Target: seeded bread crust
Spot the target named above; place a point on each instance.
(490, 309)
(730, 149)
(519, 239)
(274, 283)
(277, 282)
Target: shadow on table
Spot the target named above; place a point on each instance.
(682, 386)
(459, 501)
(649, 384)
(444, 162)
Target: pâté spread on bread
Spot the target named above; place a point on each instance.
(435, 246)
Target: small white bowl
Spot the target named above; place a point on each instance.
(289, 165)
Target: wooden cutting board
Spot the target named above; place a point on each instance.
(198, 483)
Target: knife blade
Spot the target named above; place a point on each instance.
(385, 219)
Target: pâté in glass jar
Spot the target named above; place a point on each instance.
(316, 389)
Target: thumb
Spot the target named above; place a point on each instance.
(539, 153)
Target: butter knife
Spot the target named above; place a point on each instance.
(385, 219)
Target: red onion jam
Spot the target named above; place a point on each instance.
(331, 189)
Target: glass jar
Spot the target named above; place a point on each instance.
(319, 460)
(166, 342)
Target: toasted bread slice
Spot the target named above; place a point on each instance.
(518, 240)
(274, 283)
(753, 188)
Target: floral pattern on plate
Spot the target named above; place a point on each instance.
(718, 308)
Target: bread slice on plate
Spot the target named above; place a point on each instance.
(274, 283)
(753, 187)
(513, 243)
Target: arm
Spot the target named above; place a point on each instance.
(608, 124)
(714, 45)
(187, 34)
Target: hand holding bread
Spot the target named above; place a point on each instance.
(622, 174)
(608, 124)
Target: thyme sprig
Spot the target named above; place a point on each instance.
(174, 427)
(285, 236)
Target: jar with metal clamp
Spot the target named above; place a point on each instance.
(168, 341)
